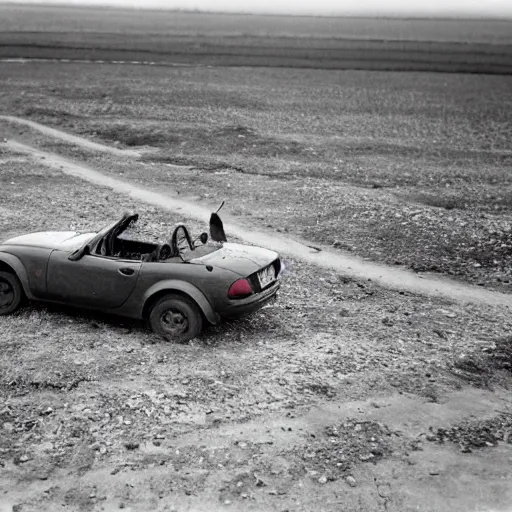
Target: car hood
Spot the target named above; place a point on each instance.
(64, 240)
(242, 259)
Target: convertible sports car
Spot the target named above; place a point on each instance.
(175, 286)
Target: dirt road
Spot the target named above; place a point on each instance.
(72, 139)
(392, 277)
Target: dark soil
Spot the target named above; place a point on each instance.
(478, 434)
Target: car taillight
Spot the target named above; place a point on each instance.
(240, 289)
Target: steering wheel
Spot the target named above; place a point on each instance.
(180, 239)
(163, 252)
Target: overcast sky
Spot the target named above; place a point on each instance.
(354, 7)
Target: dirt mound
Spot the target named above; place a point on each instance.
(481, 368)
(345, 445)
(477, 434)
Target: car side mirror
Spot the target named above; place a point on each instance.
(79, 253)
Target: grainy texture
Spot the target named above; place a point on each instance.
(323, 400)
(410, 168)
(103, 413)
(163, 37)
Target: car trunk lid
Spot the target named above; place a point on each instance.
(242, 259)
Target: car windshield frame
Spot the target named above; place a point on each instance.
(89, 246)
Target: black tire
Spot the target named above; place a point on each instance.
(11, 293)
(176, 318)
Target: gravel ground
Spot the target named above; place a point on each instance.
(82, 392)
(405, 168)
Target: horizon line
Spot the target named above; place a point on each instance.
(382, 16)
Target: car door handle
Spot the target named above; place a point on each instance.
(127, 271)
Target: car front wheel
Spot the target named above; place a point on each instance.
(176, 318)
(11, 293)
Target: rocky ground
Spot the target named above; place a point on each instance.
(410, 169)
(339, 394)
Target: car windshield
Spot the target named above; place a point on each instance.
(128, 239)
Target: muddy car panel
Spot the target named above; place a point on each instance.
(242, 259)
(45, 239)
(194, 280)
(243, 307)
(11, 261)
(34, 261)
(94, 280)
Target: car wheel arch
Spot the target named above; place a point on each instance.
(184, 290)
(10, 263)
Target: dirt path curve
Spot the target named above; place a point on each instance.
(386, 276)
(73, 139)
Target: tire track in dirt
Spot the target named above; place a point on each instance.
(389, 277)
(72, 139)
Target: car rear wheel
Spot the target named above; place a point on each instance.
(11, 293)
(176, 318)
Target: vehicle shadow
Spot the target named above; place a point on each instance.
(91, 318)
(235, 330)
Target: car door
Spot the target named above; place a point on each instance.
(92, 281)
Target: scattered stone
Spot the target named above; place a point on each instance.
(259, 482)
(24, 458)
(448, 314)
(322, 479)
(384, 490)
(433, 472)
(475, 433)
(131, 445)
(442, 334)
(351, 481)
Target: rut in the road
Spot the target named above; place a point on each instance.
(386, 276)
(73, 139)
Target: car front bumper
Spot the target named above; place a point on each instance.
(243, 307)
